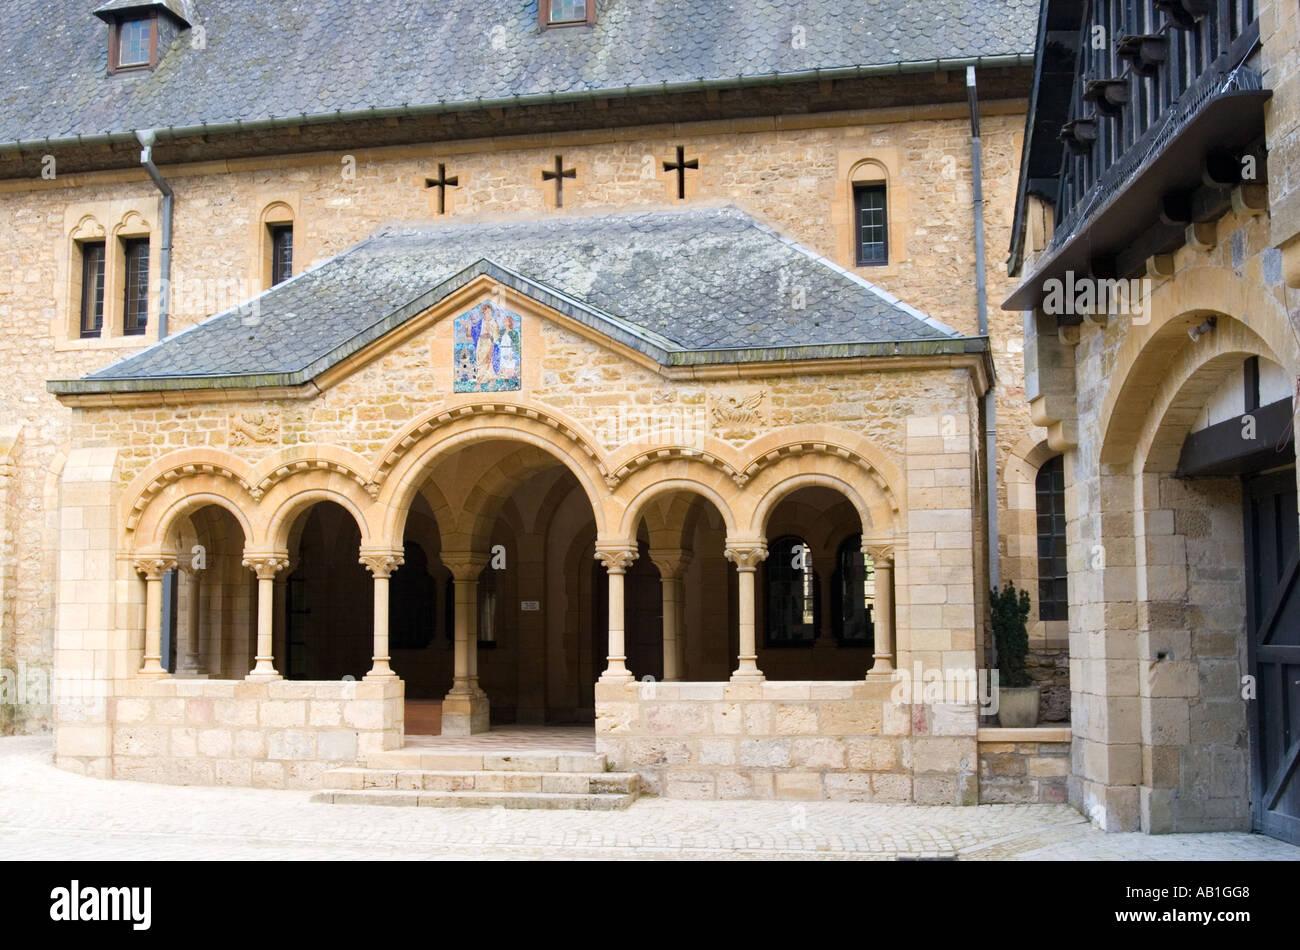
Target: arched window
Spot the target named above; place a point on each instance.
(1049, 488)
(276, 243)
(854, 589)
(791, 594)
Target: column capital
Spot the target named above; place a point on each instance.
(746, 553)
(266, 564)
(670, 561)
(879, 550)
(617, 556)
(464, 565)
(154, 565)
(381, 562)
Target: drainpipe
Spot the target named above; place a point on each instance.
(146, 138)
(982, 308)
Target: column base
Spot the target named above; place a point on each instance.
(264, 671)
(465, 714)
(192, 675)
(381, 670)
(883, 669)
(152, 666)
(616, 671)
(748, 675)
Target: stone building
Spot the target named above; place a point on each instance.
(1157, 240)
(609, 364)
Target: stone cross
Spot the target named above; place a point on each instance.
(558, 175)
(680, 167)
(442, 183)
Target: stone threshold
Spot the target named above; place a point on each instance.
(1033, 734)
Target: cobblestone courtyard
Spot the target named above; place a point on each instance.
(46, 813)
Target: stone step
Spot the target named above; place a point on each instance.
(467, 761)
(469, 780)
(477, 799)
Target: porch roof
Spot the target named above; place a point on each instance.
(686, 287)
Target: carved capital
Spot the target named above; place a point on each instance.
(266, 566)
(746, 554)
(671, 562)
(154, 566)
(881, 553)
(382, 563)
(617, 556)
(464, 565)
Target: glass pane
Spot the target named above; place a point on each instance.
(567, 11)
(133, 49)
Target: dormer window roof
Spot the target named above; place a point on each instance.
(566, 12)
(140, 30)
(118, 10)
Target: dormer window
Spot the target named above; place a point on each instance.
(135, 42)
(566, 12)
(140, 31)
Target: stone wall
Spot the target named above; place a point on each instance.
(1050, 670)
(845, 741)
(276, 734)
(1024, 765)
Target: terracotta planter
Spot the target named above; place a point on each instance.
(1018, 708)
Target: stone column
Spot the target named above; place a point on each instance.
(265, 566)
(882, 558)
(465, 708)
(617, 556)
(192, 665)
(671, 562)
(746, 554)
(153, 567)
(381, 564)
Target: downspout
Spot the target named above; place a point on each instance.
(982, 308)
(146, 138)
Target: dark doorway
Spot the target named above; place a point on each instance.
(1273, 629)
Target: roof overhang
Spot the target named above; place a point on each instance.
(116, 10)
(1126, 227)
(652, 350)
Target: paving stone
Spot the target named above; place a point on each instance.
(51, 814)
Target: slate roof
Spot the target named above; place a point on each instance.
(278, 59)
(704, 285)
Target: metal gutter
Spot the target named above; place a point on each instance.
(982, 307)
(1004, 60)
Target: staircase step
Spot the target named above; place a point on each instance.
(478, 799)
(461, 780)
(454, 760)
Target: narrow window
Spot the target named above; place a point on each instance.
(135, 309)
(135, 43)
(92, 288)
(488, 607)
(871, 227)
(1052, 585)
(792, 607)
(281, 253)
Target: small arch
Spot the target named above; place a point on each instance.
(295, 503)
(790, 484)
(636, 507)
(164, 532)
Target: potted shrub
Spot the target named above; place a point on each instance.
(1017, 694)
